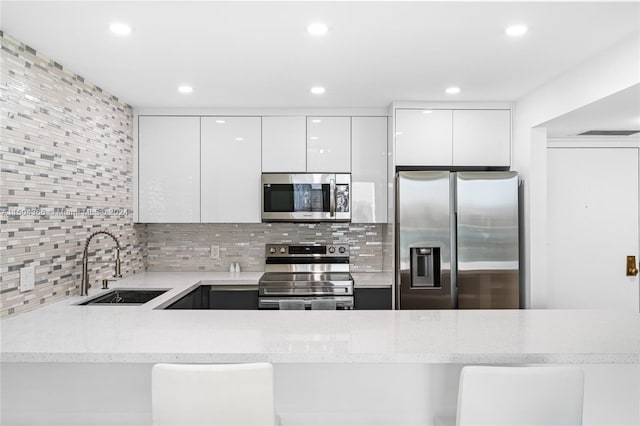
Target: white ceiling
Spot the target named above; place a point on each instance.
(258, 54)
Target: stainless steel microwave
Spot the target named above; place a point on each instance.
(306, 197)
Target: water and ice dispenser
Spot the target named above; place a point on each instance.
(425, 267)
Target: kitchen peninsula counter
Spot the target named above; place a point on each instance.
(64, 332)
(371, 367)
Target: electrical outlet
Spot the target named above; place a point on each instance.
(27, 278)
(215, 252)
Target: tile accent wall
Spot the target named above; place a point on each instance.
(187, 247)
(66, 171)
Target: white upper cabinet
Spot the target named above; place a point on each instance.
(168, 169)
(284, 146)
(329, 144)
(369, 170)
(230, 161)
(453, 137)
(424, 137)
(481, 137)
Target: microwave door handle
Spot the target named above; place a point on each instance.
(332, 198)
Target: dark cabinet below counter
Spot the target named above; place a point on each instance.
(245, 297)
(372, 298)
(219, 297)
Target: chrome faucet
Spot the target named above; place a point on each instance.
(84, 284)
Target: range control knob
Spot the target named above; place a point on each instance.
(283, 250)
(342, 249)
(332, 249)
(272, 250)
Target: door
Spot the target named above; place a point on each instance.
(487, 236)
(169, 169)
(329, 144)
(230, 164)
(592, 216)
(369, 169)
(424, 137)
(482, 137)
(423, 246)
(284, 145)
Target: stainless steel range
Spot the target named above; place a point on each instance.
(313, 275)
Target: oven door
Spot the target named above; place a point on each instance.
(305, 197)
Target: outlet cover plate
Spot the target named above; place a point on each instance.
(215, 252)
(27, 278)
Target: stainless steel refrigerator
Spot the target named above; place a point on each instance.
(457, 240)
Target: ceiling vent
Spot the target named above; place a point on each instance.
(609, 133)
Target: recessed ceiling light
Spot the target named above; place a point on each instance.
(399, 133)
(316, 121)
(427, 111)
(315, 138)
(516, 30)
(452, 90)
(317, 90)
(239, 139)
(317, 29)
(120, 28)
(220, 121)
(185, 89)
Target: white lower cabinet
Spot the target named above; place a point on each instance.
(231, 168)
(369, 169)
(168, 169)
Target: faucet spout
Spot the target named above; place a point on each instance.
(84, 284)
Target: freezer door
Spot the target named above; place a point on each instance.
(487, 240)
(423, 240)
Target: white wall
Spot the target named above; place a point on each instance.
(602, 75)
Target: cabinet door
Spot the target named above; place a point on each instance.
(369, 170)
(481, 137)
(329, 144)
(284, 147)
(169, 169)
(372, 298)
(423, 137)
(230, 161)
(220, 298)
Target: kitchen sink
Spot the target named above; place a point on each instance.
(125, 297)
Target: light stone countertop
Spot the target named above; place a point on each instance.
(64, 332)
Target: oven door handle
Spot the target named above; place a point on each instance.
(332, 198)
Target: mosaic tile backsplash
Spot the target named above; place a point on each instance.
(66, 171)
(187, 247)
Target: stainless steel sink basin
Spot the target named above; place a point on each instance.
(130, 297)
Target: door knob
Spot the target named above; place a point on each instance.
(632, 270)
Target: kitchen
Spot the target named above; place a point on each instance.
(91, 184)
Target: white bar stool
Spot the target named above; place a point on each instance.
(520, 396)
(223, 394)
